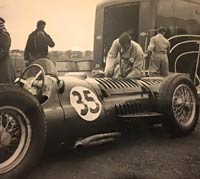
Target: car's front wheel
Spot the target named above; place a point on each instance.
(22, 132)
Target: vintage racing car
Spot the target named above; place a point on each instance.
(43, 108)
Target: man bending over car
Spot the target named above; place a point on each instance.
(125, 58)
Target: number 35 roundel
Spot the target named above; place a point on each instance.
(85, 102)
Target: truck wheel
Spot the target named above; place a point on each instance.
(22, 132)
(178, 101)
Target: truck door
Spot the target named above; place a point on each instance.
(120, 18)
(136, 17)
(147, 21)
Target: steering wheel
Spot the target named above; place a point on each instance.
(32, 79)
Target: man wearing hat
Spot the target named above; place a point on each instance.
(158, 49)
(125, 58)
(38, 43)
(6, 70)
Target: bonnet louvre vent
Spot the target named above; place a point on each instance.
(117, 83)
(152, 82)
(118, 86)
(136, 107)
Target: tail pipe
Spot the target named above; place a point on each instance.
(97, 139)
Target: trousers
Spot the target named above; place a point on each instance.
(159, 65)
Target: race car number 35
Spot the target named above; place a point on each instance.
(85, 102)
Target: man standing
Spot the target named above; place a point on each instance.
(38, 43)
(125, 58)
(158, 49)
(6, 70)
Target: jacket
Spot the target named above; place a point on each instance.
(6, 70)
(37, 45)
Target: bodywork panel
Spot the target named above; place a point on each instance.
(90, 106)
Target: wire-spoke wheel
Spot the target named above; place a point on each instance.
(15, 137)
(178, 101)
(183, 105)
(22, 132)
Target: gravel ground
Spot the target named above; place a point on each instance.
(144, 154)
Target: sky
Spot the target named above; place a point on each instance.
(69, 22)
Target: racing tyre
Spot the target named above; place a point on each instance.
(22, 132)
(178, 101)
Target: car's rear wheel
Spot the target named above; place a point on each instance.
(22, 132)
(178, 101)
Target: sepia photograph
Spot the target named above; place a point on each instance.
(99, 89)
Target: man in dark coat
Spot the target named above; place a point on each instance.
(6, 70)
(38, 43)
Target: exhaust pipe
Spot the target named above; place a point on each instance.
(97, 139)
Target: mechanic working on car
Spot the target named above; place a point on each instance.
(37, 44)
(157, 52)
(125, 58)
(6, 69)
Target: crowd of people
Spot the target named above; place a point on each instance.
(125, 58)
